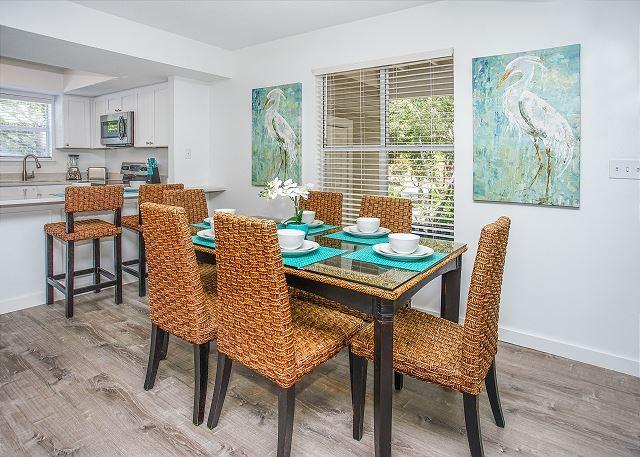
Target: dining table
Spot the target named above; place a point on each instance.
(377, 290)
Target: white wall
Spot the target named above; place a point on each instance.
(571, 279)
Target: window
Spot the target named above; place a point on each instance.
(25, 125)
(388, 130)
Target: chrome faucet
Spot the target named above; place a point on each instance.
(31, 175)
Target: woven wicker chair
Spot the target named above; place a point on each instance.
(327, 205)
(436, 350)
(394, 213)
(194, 201)
(259, 327)
(181, 299)
(79, 200)
(152, 193)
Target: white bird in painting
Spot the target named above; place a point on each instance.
(535, 117)
(279, 130)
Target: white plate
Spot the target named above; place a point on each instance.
(316, 223)
(207, 234)
(384, 249)
(353, 230)
(208, 220)
(306, 248)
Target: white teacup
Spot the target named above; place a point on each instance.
(225, 210)
(404, 243)
(290, 238)
(308, 217)
(368, 224)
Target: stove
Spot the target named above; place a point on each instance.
(133, 171)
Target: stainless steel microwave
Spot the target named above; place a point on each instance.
(116, 129)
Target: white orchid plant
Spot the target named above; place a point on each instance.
(278, 188)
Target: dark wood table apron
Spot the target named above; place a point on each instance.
(383, 311)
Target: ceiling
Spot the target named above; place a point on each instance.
(236, 24)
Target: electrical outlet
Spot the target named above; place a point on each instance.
(624, 168)
(187, 153)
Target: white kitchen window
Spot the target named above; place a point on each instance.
(388, 130)
(25, 125)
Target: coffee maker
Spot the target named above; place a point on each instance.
(73, 171)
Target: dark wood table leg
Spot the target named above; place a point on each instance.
(383, 383)
(450, 293)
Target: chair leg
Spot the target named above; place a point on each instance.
(398, 380)
(358, 389)
(49, 254)
(142, 266)
(201, 361)
(286, 408)
(472, 422)
(223, 370)
(165, 346)
(68, 281)
(494, 396)
(155, 348)
(96, 262)
(117, 266)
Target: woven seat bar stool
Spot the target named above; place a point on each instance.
(327, 205)
(153, 193)
(82, 199)
(181, 296)
(433, 349)
(194, 201)
(259, 327)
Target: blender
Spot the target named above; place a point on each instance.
(73, 171)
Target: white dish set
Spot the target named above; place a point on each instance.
(209, 234)
(401, 246)
(309, 218)
(293, 244)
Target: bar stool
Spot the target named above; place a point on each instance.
(80, 200)
(194, 201)
(152, 193)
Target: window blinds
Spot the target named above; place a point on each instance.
(25, 125)
(389, 131)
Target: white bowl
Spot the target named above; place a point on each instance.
(290, 238)
(225, 210)
(368, 224)
(404, 243)
(308, 217)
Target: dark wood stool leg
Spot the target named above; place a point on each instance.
(49, 254)
(223, 370)
(165, 346)
(286, 408)
(358, 390)
(155, 347)
(142, 266)
(472, 422)
(398, 380)
(117, 265)
(201, 360)
(494, 397)
(68, 281)
(96, 262)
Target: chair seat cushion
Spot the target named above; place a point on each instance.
(424, 346)
(319, 333)
(131, 222)
(86, 229)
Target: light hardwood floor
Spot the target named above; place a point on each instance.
(74, 387)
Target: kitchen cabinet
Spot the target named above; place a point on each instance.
(73, 122)
(99, 109)
(151, 121)
(121, 102)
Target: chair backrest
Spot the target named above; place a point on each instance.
(480, 340)
(194, 201)
(394, 213)
(255, 313)
(327, 205)
(177, 301)
(154, 193)
(79, 199)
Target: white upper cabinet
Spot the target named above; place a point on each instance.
(121, 102)
(161, 116)
(151, 121)
(99, 109)
(73, 122)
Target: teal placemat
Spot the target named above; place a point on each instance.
(202, 242)
(344, 236)
(130, 190)
(321, 228)
(202, 225)
(320, 254)
(59, 194)
(370, 256)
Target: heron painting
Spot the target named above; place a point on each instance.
(526, 127)
(276, 133)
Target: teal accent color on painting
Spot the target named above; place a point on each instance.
(538, 102)
(276, 130)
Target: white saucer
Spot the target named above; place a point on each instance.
(208, 220)
(384, 249)
(353, 230)
(207, 234)
(316, 223)
(306, 248)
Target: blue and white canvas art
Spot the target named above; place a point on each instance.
(276, 124)
(526, 127)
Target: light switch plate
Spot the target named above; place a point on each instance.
(624, 168)
(187, 153)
